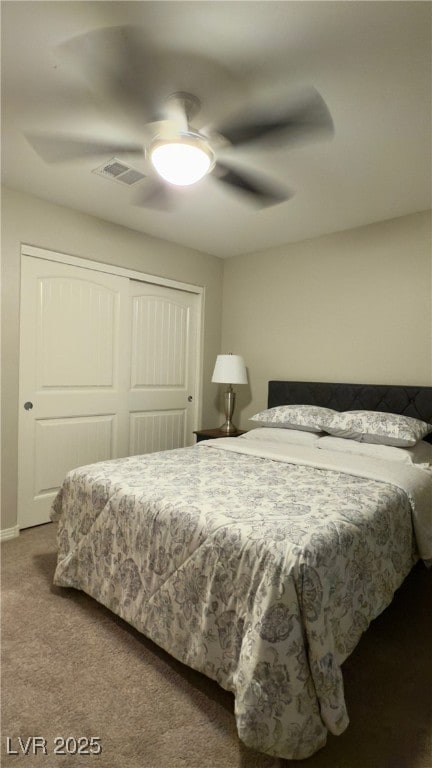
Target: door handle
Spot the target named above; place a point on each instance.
(28, 405)
(190, 398)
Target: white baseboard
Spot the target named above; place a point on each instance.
(9, 533)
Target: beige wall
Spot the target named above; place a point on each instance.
(29, 220)
(350, 307)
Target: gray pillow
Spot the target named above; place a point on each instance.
(308, 418)
(378, 427)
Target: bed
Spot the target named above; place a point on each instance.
(258, 560)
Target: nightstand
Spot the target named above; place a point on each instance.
(210, 434)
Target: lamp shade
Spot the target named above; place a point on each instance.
(229, 369)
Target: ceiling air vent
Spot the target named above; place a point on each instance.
(119, 171)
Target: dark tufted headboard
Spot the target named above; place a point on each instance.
(410, 401)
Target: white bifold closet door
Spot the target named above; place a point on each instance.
(161, 383)
(108, 368)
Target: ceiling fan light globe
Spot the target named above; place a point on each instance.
(182, 161)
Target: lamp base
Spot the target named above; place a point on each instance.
(229, 428)
(229, 403)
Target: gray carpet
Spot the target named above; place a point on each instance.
(71, 668)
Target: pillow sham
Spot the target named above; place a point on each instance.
(307, 418)
(419, 454)
(378, 427)
(278, 435)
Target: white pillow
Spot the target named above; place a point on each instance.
(307, 418)
(378, 427)
(419, 454)
(277, 435)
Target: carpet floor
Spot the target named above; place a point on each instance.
(70, 668)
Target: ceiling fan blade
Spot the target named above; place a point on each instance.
(60, 149)
(118, 64)
(307, 116)
(263, 191)
(154, 195)
(134, 76)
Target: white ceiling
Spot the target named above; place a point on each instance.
(371, 62)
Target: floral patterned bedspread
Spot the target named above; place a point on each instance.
(260, 573)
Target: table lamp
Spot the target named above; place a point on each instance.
(229, 369)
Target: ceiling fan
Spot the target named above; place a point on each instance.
(176, 154)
